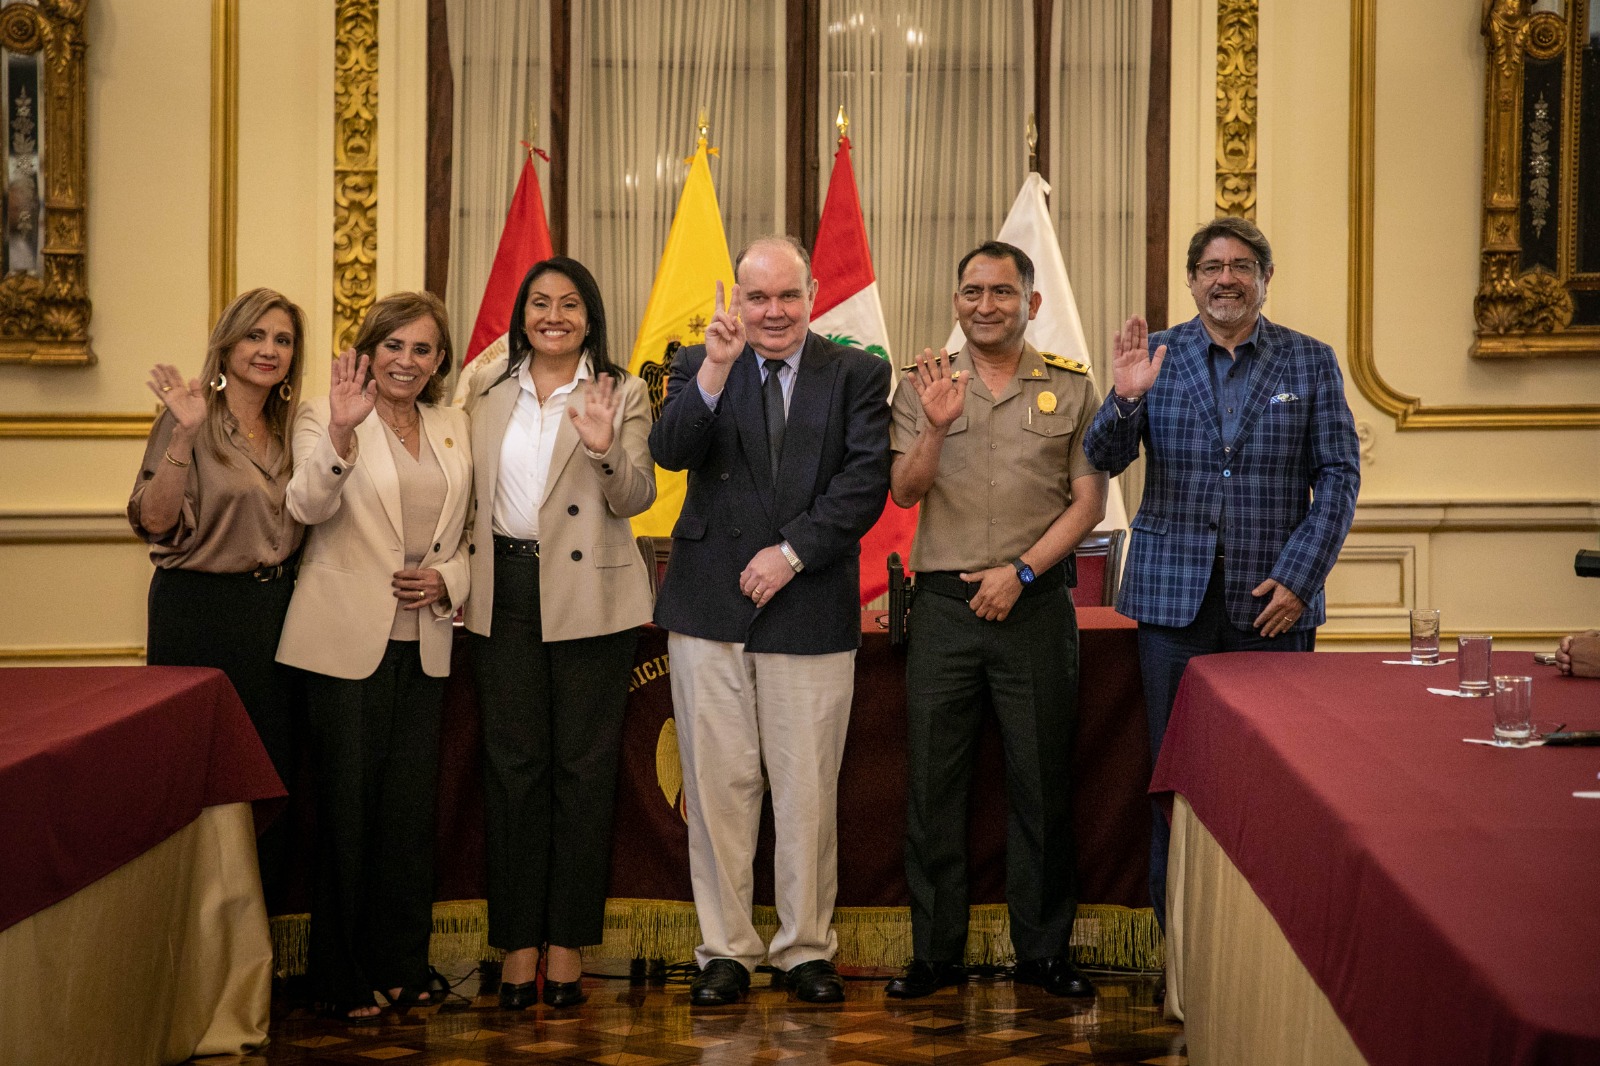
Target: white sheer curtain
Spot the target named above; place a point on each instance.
(1100, 50)
(938, 96)
(642, 72)
(499, 58)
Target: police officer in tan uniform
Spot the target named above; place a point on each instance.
(990, 442)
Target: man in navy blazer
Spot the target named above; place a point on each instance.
(1252, 470)
(785, 436)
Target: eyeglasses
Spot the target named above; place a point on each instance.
(1242, 268)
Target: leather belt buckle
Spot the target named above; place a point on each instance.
(267, 574)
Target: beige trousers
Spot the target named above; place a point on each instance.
(735, 712)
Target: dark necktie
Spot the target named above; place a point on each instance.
(772, 400)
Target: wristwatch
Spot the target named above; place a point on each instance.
(790, 557)
(1025, 572)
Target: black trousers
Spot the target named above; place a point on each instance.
(1027, 666)
(1164, 651)
(232, 622)
(552, 737)
(375, 751)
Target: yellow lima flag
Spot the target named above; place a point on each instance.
(681, 303)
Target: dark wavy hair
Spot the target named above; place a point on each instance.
(596, 343)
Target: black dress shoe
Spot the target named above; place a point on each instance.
(517, 997)
(924, 978)
(815, 982)
(723, 981)
(1057, 975)
(560, 994)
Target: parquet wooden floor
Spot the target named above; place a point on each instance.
(987, 1021)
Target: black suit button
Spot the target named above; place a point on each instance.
(735, 531)
(576, 555)
(724, 475)
(573, 509)
(1213, 525)
(338, 470)
(437, 548)
(472, 549)
(607, 469)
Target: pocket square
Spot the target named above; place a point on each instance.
(1285, 397)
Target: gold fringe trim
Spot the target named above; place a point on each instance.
(1104, 935)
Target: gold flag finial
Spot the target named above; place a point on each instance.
(704, 133)
(842, 122)
(1033, 143)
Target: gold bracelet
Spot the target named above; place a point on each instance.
(167, 455)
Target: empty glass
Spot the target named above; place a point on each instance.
(1513, 708)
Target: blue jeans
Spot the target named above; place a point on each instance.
(1163, 653)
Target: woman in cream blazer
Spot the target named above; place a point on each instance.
(383, 481)
(559, 590)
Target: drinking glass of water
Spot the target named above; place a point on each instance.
(1425, 636)
(1472, 659)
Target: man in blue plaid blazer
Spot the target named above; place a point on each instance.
(1252, 470)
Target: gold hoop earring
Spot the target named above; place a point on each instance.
(221, 382)
(285, 392)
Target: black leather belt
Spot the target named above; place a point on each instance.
(949, 583)
(513, 546)
(266, 574)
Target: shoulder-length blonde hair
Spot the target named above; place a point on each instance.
(400, 309)
(236, 322)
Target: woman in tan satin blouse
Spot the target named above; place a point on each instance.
(209, 500)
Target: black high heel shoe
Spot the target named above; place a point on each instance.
(559, 994)
(519, 997)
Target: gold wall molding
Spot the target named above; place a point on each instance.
(1477, 516)
(1237, 45)
(55, 653)
(44, 315)
(224, 231)
(76, 424)
(1409, 412)
(355, 167)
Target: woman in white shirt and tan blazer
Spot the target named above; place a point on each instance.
(559, 590)
(383, 482)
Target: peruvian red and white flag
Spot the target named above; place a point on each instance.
(847, 311)
(524, 241)
(1057, 327)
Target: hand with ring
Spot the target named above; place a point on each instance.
(765, 575)
(416, 589)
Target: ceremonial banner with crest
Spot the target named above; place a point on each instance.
(681, 303)
(847, 311)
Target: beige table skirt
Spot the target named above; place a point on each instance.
(1243, 995)
(163, 959)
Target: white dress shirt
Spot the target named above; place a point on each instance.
(525, 452)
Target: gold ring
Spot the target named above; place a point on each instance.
(166, 388)
(419, 594)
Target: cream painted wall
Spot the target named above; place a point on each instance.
(1482, 524)
(63, 537)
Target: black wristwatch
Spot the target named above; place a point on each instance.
(1025, 572)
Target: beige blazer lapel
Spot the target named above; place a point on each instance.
(566, 440)
(490, 414)
(380, 468)
(448, 451)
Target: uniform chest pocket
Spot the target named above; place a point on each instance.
(957, 449)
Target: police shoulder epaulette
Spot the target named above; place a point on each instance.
(1064, 363)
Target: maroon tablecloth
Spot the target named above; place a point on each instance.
(1444, 896)
(98, 765)
(650, 853)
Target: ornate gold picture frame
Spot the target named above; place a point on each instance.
(1539, 275)
(44, 296)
